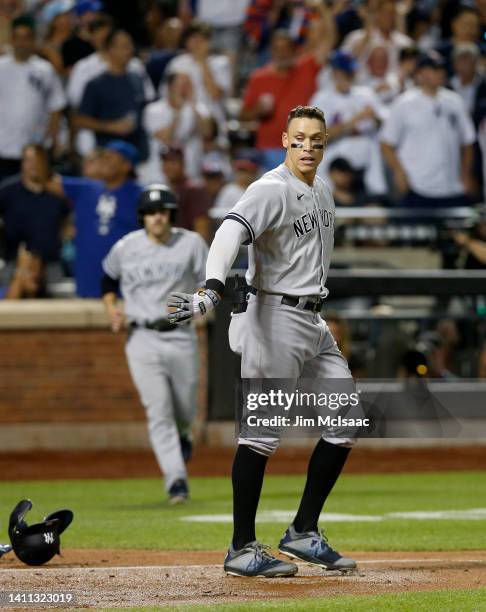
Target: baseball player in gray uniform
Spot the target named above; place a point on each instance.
(287, 218)
(147, 265)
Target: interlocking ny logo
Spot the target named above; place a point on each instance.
(49, 537)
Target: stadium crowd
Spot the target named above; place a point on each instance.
(100, 97)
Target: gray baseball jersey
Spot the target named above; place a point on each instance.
(291, 233)
(149, 272)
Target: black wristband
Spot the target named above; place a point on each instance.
(215, 285)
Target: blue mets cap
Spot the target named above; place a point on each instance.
(341, 60)
(125, 149)
(88, 6)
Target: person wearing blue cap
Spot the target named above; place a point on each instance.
(80, 45)
(353, 116)
(104, 211)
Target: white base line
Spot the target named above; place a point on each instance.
(220, 565)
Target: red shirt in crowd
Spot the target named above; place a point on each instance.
(289, 89)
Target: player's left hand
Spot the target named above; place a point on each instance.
(190, 306)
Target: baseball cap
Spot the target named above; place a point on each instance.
(212, 167)
(55, 8)
(88, 6)
(168, 152)
(246, 159)
(431, 59)
(465, 49)
(125, 149)
(341, 165)
(342, 60)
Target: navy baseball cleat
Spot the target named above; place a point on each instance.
(4, 549)
(313, 548)
(178, 492)
(255, 560)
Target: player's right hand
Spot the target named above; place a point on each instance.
(190, 306)
(117, 319)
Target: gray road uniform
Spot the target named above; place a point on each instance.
(163, 365)
(290, 231)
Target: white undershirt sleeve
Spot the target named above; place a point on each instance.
(224, 249)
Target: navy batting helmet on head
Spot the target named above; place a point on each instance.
(37, 544)
(154, 198)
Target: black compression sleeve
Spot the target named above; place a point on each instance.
(109, 285)
(215, 285)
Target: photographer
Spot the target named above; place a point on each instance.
(473, 246)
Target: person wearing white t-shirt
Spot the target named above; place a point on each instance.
(31, 98)
(210, 74)
(380, 30)
(353, 114)
(175, 120)
(246, 169)
(427, 141)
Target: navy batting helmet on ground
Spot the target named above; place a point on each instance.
(37, 544)
(154, 198)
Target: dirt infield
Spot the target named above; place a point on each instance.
(102, 578)
(217, 462)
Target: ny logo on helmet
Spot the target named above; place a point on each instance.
(49, 537)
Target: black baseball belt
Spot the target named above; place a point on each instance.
(287, 300)
(160, 325)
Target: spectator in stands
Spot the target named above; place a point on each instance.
(380, 30)
(225, 18)
(420, 28)
(353, 115)
(246, 169)
(465, 27)
(427, 141)
(194, 200)
(32, 216)
(31, 98)
(384, 83)
(214, 179)
(104, 211)
(113, 102)
(80, 45)
(286, 82)
(175, 120)
(407, 68)
(345, 183)
(467, 78)
(92, 66)
(165, 47)
(29, 278)
(58, 19)
(8, 12)
(210, 74)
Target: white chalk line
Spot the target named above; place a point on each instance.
(114, 568)
(285, 516)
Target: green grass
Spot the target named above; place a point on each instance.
(459, 600)
(134, 514)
